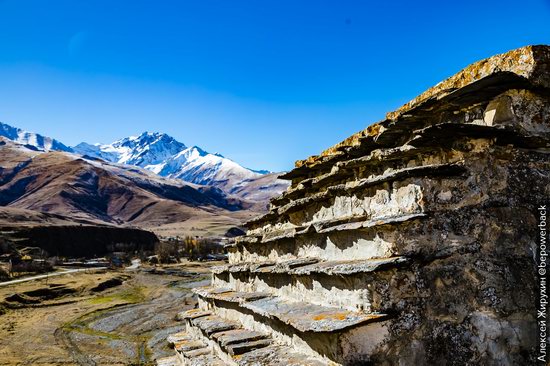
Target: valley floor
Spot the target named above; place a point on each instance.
(109, 318)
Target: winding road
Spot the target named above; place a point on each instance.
(53, 274)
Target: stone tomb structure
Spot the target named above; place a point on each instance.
(410, 243)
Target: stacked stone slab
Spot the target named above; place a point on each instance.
(409, 243)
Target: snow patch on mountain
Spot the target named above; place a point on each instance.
(198, 166)
(32, 139)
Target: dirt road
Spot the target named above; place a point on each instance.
(50, 275)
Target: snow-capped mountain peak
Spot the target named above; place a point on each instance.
(163, 155)
(149, 148)
(147, 138)
(32, 139)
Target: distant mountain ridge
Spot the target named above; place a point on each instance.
(82, 190)
(32, 139)
(150, 181)
(167, 157)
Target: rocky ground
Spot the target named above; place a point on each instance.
(109, 318)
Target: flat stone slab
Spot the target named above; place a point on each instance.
(197, 352)
(229, 295)
(210, 290)
(241, 267)
(265, 267)
(276, 356)
(286, 266)
(307, 317)
(243, 347)
(349, 267)
(189, 345)
(212, 324)
(278, 235)
(168, 361)
(241, 296)
(306, 266)
(218, 290)
(302, 316)
(362, 222)
(237, 336)
(205, 360)
(344, 224)
(178, 337)
(247, 239)
(399, 174)
(192, 314)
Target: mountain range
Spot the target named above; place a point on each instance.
(167, 157)
(150, 181)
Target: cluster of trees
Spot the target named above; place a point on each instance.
(19, 261)
(188, 247)
(194, 248)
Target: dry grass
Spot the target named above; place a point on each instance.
(64, 330)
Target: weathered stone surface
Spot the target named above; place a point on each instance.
(240, 346)
(178, 337)
(229, 295)
(237, 336)
(302, 316)
(247, 239)
(205, 360)
(243, 347)
(335, 225)
(348, 267)
(286, 266)
(410, 243)
(212, 324)
(169, 361)
(306, 266)
(192, 314)
(277, 356)
(241, 267)
(188, 345)
(190, 354)
(531, 63)
(309, 318)
(355, 185)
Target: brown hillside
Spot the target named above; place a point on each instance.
(63, 184)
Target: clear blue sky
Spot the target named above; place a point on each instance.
(262, 82)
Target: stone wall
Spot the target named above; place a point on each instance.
(409, 243)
